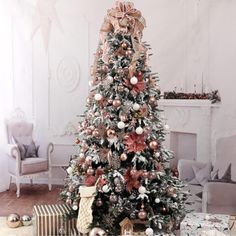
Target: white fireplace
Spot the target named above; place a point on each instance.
(190, 124)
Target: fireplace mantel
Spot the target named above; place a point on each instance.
(191, 117)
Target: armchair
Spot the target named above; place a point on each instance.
(19, 167)
(217, 197)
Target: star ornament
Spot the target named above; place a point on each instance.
(45, 15)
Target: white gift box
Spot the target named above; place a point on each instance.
(199, 224)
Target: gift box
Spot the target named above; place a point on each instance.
(49, 220)
(195, 224)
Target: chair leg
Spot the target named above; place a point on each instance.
(31, 182)
(49, 180)
(17, 187)
(10, 182)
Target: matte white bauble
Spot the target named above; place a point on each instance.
(136, 106)
(110, 78)
(121, 125)
(142, 190)
(75, 207)
(134, 80)
(149, 232)
(105, 189)
(157, 200)
(98, 97)
(139, 130)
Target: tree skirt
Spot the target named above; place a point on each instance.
(20, 231)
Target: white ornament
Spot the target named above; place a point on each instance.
(68, 194)
(96, 113)
(134, 80)
(157, 154)
(105, 189)
(166, 127)
(69, 170)
(121, 125)
(149, 232)
(157, 200)
(139, 130)
(110, 78)
(88, 158)
(98, 97)
(90, 83)
(136, 106)
(75, 207)
(142, 190)
(207, 217)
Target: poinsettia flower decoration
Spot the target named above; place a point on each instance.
(135, 142)
(139, 87)
(132, 180)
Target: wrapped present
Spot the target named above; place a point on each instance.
(232, 225)
(198, 224)
(49, 220)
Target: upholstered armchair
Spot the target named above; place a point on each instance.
(25, 159)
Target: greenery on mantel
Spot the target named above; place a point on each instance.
(213, 96)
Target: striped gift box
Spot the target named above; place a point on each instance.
(48, 220)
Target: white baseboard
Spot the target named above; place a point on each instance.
(42, 181)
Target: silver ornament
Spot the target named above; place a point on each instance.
(26, 220)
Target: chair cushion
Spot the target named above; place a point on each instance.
(33, 165)
(31, 150)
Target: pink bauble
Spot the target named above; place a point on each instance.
(153, 145)
(111, 133)
(116, 103)
(90, 171)
(123, 157)
(142, 215)
(96, 133)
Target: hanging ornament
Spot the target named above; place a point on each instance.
(139, 130)
(164, 210)
(152, 101)
(157, 154)
(145, 174)
(116, 103)
(95, 133)
(110, 78)
(75, 206)
(99, 202)
(88, 100)
(120, 88)
(97, 232)
(118, 188)
(88, 131)
(142, 215)
(124, 45)
(123, 157)
(121, 125)
(139, 73)
(136, 106)
(152, 175)
(149, 232)
(111, 133)
(116, 181)
(98, 97)
(90, 171)
(153, 145)
(123, 117)
(134, 80)
(77, 141)
(68, 201)
(113, 198)
(26, 220)
(142, 190)
(71, 188)
(105, 188)
(129, 52)
(157, 200)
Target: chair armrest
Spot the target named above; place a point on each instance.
(50, 148)
(185, 169)
(218, 194)
(12, 150)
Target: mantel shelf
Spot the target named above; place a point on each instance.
(187, 103)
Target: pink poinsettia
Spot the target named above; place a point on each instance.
(135, 142)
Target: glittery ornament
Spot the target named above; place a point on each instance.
(90, 171)
(153, 145)
(123, 157)
(116, 103)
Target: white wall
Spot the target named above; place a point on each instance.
(193, 41)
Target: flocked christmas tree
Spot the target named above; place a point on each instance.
(120, 140)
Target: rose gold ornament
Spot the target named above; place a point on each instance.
(71, 188)
(152, 101)
(153, 145)
(77, 141)
(123, 157)
(116, 103)
(123, 117)
(152, 175)
(129, 52)
(111, 133)
(13, 220)
(124, 45)
(120, 88)
(68, 201)
(142, 215)
(96, 133)
(88, 131)
(88, 100)
(99, 202)
(145, 174)
(90, 171)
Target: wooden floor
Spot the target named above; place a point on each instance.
(30, 196)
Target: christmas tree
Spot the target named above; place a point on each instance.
(121, 155)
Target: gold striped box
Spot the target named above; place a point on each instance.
(48, 220)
